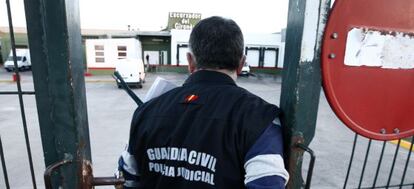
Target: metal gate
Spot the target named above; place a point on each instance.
(381, 172)
(372, 164)
(301, 76)
(19, 92)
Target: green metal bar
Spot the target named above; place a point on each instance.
(3, 166)
(365, 163)
(311, 165)
(408, 160)
(127, 89)
(57, 64)
(301, 79)
(393, 162)
(379, 164)
(20, 95)
(350, 161)
(17, 92)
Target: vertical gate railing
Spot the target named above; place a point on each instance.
(382, 172)
(20, 94)
(300, 99)
(3, 165)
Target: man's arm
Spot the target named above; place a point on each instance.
(128, 167)
(264, 164)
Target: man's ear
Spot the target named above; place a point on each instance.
(241, 64)
(191, 62)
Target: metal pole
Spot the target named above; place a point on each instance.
(351, 160)
(301, 79)
(127, 89)
(408, 160)
(365, 163)
(16, 93)
(58, 74)
(3, 165)
(311, 165)
(379, 164)
(393, 162)
(19, 89)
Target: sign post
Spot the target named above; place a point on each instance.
(55, 45)
(301, 84)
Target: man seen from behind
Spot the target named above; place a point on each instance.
(208, 133)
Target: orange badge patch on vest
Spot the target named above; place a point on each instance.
(191, 98)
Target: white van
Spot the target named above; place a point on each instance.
(23, 60)
(132, 71)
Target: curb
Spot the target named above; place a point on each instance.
(6, 81)
(404, 144)
(100, 81)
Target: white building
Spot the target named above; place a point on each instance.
(103, 53)
(179, 47)
(169, 48)
(262, 50)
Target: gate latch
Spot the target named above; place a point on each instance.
(87, 179)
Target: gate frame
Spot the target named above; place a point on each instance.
(301, 84)
(58, 74)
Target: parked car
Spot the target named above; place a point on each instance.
(245, 70)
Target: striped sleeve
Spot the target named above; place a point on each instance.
(264, 164)
(128, 168)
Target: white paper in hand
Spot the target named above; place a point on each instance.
(159, 87)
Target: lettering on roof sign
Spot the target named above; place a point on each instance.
(182, 20)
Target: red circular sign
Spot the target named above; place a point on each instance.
(374, 98)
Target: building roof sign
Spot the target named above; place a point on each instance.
(182, 20)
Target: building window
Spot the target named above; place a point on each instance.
(100, 60)
(122, 52)
(99, 47)
(122, 48)
(99, 54)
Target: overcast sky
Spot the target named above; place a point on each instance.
(263, 16)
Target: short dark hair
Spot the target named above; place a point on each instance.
(217, 43)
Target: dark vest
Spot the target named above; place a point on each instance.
(198, 142)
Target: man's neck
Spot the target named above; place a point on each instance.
(231, 74)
